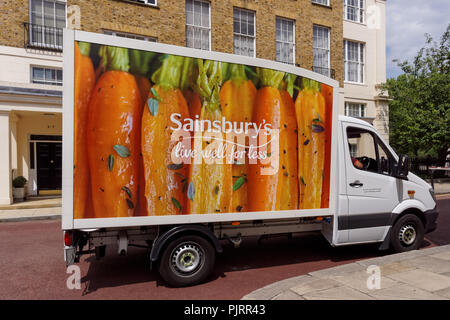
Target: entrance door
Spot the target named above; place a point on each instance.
(49, 165)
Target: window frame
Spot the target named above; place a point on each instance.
(129, 35)
(327, 49)
(358, 9)
(281, 19)
(196, 26)
(361, 64)
(144, 2)
(320, 3)
(45, 81)
(377, 142)
(361, 106)
(244, 35)
(44, 43)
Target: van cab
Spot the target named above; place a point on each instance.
(378, 198)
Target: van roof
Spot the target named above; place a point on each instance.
(354, 120)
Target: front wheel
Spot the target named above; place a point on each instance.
(407, 233)
(186, 261)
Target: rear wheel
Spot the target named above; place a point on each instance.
(407, 233)
(186, 261)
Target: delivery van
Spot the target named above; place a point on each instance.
(174, 149)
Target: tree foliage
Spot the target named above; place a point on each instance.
(419, 113)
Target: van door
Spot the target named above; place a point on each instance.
(371, 190)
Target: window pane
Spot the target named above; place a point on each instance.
(38, 74)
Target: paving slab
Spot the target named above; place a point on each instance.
(288, 295)
(422, 279)
(429, 263)
(404, 292)
(274, 289)
(445, 293)
(359, 281)
(30, 214)
(395, 267)
(442, 255)
(337, 271)
(315, 285)
(337, 293)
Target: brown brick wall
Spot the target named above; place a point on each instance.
(167, 23)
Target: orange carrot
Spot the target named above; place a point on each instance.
(310, 111)
(140, 67)
(164, 179)
(113, 137)
(210, 185)
(237, 98)
(327, 93)
(274, 106)
(84, 83)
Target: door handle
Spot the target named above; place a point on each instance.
(356, 184)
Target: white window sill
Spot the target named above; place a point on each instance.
(363, 84)
(356, 22)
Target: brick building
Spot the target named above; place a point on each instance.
(307, 33)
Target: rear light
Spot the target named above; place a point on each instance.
(67, 238)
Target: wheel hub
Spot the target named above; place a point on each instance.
(186, 258)
(407, 234)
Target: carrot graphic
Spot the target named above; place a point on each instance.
(327, 93)
(310, 111)
(188, 79)
(273, 106)
(237, 98)
(84, 82)
(113, 136)
(288, 148)
(140, 67)
(164, 179)
(210, 186)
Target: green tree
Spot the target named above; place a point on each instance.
(419, 113)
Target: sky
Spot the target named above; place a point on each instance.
(406, 23)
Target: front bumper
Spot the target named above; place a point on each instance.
(430, 219)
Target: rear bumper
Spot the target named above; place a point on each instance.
(430, 219)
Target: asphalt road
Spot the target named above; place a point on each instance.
(32, 265)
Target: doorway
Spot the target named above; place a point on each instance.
(47, 162)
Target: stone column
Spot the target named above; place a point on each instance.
(5, 159)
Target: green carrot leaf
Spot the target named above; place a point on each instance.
(191, 191)
(153, 106)
(176, 203)
(128, 191)
(110, 162)
(239, 182)
(122, 150)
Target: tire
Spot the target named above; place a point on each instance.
(407, 233)
(187, 261)
(100, 252)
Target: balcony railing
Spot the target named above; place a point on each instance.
(42, 37)
(325, 71)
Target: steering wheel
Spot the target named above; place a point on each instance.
(365, 162)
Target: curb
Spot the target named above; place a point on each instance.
(31, 218)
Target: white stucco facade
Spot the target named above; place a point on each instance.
(26, 109)
(371, 33)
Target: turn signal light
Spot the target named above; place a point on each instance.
(235, 223)
(411, 193)
(67, 238)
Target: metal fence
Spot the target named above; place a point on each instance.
(421, 167)
(43, 37)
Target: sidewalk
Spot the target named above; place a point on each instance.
(37, 208)
(415, 275)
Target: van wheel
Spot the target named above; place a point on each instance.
(407, 233)
(187, 261)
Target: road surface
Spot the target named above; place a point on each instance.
(32, 265)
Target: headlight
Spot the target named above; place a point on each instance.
(432, 194)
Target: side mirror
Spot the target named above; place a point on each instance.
(401, 168)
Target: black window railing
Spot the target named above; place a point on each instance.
(324, 71)
(42, 37)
